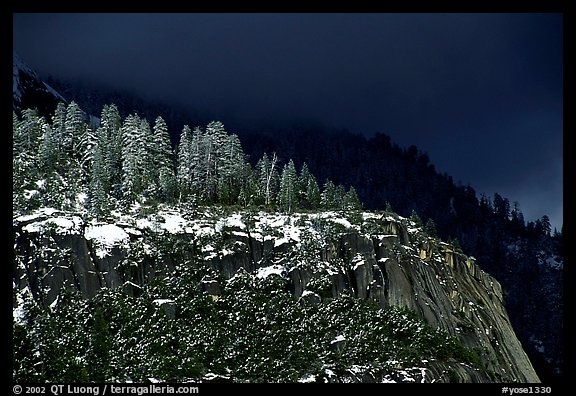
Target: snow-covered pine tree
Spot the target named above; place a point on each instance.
(163, 161)
(111, 123)
(28, 133)
(74, 129)
(250, 187)
(85, 150)
(183, 163)
(131, 161)
(197, 166)
(59, 129)
(261, 174)
(48, 155)
(288, 194)
(99, 351)
(149, 187)
(98, 201)
(303, 186)
(339, 194)
(328, 195)
(351, 201)
(309, 192)
(214, 147)
(231, 170)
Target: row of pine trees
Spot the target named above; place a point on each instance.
(115, 163)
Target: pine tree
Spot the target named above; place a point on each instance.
(455, 243)
(250, 188)
(231, 170)
(197, 166)
(15, 132)
(131, 161)
(517, 219)
(59, 130)
(545, 225)
(48, 155)
(328, 196)
(111, 123)
(74, 129)
(351, 200)
(161, 149)
(184, 162)
(501, 206)
(430, 228)
(288, 194)
(389, 208)
(146, 163)
(99, 352)
(87, 141)
(97, 193)
(27, 134)
(339, 193)
(416, 219)
(308, 190)
(163, 162)
(215, 138)
(303, 186)
(313, 193)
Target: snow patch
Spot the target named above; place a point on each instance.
(555, 263)
(62, 225)
(105, 237)
(342, 221)
(359, 262)
(162, 301)
(234, 220)
(308, 378)
(173, 223)
(19, 313)
(339, 338)
(264, 272)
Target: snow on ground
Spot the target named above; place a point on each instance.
(62, 224)
(174, 223)
(42, 212)
(145, 223)
(105, 237)
(308, 378)
(234, 220)
(267, 271)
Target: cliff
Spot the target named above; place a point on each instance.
(379, 257)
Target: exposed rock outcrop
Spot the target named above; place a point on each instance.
(381, 258)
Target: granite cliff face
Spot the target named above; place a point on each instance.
(379, 257)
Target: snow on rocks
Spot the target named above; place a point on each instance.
(105, 237)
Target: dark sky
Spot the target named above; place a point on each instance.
(481, 93)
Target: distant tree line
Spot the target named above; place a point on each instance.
(121, 162)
